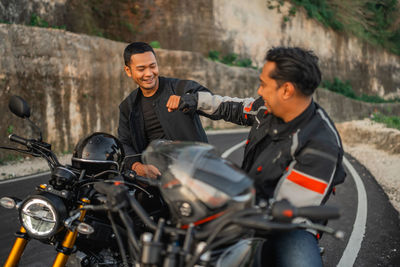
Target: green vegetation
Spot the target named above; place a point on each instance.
(389, 121)
(346, 89)
(10, 129)
(155, 44)
(321, 11)
(231, 59)
(10, 157)
(375, 21)
(39, 22)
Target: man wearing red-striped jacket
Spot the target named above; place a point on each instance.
(293, 151)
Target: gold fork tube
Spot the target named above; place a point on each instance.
(69, 241)
(17, 250)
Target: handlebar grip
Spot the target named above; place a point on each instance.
(318, 212)
(132, 175)
(18, 139)
(284, 211)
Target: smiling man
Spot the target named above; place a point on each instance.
(293, 151)
(143, 114)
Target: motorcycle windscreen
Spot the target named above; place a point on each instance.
(197, 171)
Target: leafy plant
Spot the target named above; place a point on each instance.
(346, 89)
(10, 129)
(214, 55)
(231, 59)
(321, 11)
(389, 121)
(38, 21)
(375, 21)
(340, 87)
(245, 63)
(155, 44)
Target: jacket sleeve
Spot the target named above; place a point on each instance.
(125, 138)
(236, 110)
(192, 87)
(308, 178)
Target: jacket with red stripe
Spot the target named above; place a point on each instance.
(300, 160)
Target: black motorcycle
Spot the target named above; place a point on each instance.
(213, 220)
(54, 214)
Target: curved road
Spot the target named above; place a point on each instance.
(371, 224)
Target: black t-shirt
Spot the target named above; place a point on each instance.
(152, 126)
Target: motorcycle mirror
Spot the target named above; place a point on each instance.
(19, 107)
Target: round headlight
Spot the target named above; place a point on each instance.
(42, 215)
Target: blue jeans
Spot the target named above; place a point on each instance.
(293, 248)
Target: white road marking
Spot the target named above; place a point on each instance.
(353, 246)
(230, 150)
(228, 131)
(24, 178)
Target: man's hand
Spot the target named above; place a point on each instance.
(187, 103)
(173, 103)
(150, 171)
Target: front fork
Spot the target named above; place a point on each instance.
(63, 252)
(69, 241)
(18, 248)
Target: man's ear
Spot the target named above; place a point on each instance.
(128, 71)
(288, 90)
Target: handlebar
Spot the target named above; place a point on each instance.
(17, 139)
(284, 211)
(132, 175)
(36, 148)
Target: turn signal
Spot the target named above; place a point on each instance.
(8, 203)
(85, 229)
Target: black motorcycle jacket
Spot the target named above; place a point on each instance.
(300, 160)
(176, 125)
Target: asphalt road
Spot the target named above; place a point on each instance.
(371, 224)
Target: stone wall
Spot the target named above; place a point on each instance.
(21, 11)
(74, 83)
(231, 26)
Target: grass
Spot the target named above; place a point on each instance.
(155, 44)
(231, 59)
(321, 11)
(389, 121)
(39, 22)
(346, 89)
(375, 21)
(10, 157)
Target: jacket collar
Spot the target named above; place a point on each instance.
(280, 129)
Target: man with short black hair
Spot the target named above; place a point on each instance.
(143, 114)
(293, 151)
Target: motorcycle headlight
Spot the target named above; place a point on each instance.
(42, 215)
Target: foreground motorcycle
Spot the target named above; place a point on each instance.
(54, 215)
(213, 220)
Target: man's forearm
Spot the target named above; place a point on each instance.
(230, 109)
